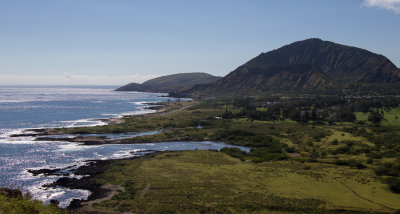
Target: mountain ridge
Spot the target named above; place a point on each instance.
(308, 66)
(170, 83)
(339, 61)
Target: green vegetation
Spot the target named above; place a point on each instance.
(212, 182)
(12, 202)
(312, 153)
(345, 153)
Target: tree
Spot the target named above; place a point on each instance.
(347, 115)
(375, 117)
(394, 184)
(294, 114)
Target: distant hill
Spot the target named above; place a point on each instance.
(309, 66)
(171, 83)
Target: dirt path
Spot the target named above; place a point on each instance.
(144, 191)
(359, 196)
(113, 188)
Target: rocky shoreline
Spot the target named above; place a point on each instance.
(88, 172)
(94, 168)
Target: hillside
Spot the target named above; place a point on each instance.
(171, 83)
(340, 62)
(292, 78)
(309, 66)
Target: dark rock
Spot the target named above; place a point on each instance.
(47, 172)
(75, 204)
(28, 135)
(93, 168)
(54, 139)
(36, 130)
(55, 202)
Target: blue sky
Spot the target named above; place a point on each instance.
(119, 41)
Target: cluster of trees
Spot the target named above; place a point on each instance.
(326, 109)
(385, 139)
(264, 147)
(389, 169)
(333, 108)
(351, 147)
(376, 116)
(257, 155)
(394, 184)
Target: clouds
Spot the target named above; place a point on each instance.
(67, 75)
(392, 5)
(73, 79)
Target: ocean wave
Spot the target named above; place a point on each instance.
(75, 147)
(64, 195)
(138, 103)
(137, 112)
(83, 122)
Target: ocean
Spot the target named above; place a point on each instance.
(43, 107)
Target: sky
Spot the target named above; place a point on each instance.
(114, 42)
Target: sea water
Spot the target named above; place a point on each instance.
(42, 107)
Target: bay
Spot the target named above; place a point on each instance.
(43, 107)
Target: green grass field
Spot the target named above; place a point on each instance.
(390, 118)
(212, 182)
(21, 205)
(327, 168)
(361, 116)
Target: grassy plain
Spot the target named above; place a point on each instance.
(292, 167)
(213, 182)
(392, 117)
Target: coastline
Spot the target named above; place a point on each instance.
(86, 138)
(201, 122)
(89, 171)
(158, 108)
(93, 167)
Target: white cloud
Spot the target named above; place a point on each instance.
(72, 79)
(393, 5)
(67, 75)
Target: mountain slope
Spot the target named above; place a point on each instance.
(276, 78)
(309, 66)
(340, 62)
(136, 87)
(171, 83)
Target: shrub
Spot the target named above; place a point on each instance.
(234, 152)
(394, 184)
(375, 117)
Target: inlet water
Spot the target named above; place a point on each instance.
(41, 107)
